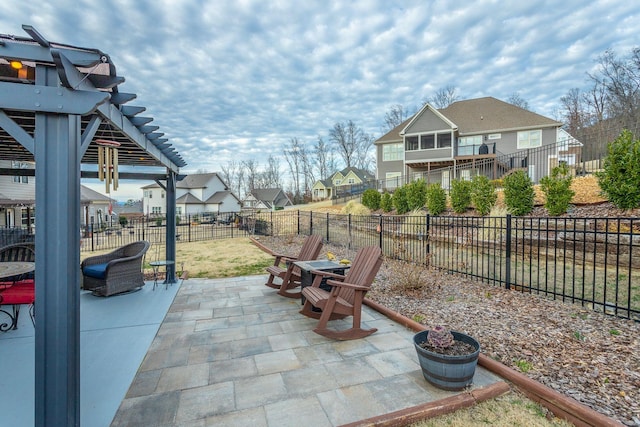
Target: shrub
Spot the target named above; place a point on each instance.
(400, 200)
(386, 203)
(123, 221)
(460, 195)
(371, 199)
(557, 189)
(416, 194)
(436, 199)
(519, 195)
(483, 194)
(620, 179)
(354, 208)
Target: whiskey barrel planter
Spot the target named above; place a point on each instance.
(447, 372)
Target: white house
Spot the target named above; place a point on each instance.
(18, 197)
(195, 194)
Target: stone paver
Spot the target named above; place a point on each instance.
(231, 352)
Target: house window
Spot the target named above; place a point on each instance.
(411, 142)
(20, 165)
(468, 145)
(156, 210)
(427, 141)
(529, 139)
(391, 152)
(393, 179)
(351, 181)
(444, 140)
(179, 210)
(162, 194)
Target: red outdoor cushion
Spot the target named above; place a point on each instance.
(23, 292)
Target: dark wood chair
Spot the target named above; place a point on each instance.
(116, 272)
(290, 274)
(346, 295)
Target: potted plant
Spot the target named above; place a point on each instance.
(448, 359)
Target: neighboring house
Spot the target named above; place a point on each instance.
(347, 181)
(195, 194)
(266, 198)
(471, 137)
(18, 197)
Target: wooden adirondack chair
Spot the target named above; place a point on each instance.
(291, 274)
(346, 295)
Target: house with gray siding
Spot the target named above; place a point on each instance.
(476, 136)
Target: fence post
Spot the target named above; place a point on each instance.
(380, 231)
(310, 223)
(92, 236)
(298, 222)
(349, 231)
(327, 226)
(507, 269)
(426, 235)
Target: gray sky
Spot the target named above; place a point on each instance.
(238, 79)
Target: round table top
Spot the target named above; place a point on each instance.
(14, 268)
(160, 263)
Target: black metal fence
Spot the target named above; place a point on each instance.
(594, 262)
(590, 261)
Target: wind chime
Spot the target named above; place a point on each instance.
(108, 163)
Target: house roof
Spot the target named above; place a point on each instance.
(481, 115)
(484, 115)
(219, 196)
(89, 195)
(360, 173)
(271, 197)
(188, 198)
(198, 180)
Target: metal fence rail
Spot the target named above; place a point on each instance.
(594, 262)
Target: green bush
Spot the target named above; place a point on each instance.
(557, 189)
(159, 221)
(460, 195)
(123, 221)
(483, 194)
(386, 203)
(519, 195)
(371, 199)
(416, 194)
(620, 179)
(400, 200)
(436, 199)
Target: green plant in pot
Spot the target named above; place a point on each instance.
(448, 358)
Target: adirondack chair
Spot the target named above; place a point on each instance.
(290, 275)
(346, 295)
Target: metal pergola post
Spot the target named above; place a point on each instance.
(57, 336)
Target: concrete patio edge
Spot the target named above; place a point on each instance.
(559, 404)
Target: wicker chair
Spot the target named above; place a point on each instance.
(116, 272)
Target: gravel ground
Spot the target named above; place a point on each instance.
(589, 356)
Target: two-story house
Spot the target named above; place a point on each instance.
(266, 198)
(470, 137)
(347, 181)
(195, 194)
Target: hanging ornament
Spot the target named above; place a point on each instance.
(108, 163)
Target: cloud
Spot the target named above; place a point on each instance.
(237, 80)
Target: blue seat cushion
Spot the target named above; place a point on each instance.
(98, 271)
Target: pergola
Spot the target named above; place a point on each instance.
(56, 101)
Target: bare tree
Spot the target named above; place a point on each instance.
(392, 118)
(292, 156)
(324, 159)
(574, 111)
(251, 174)
(233, 175)
(444, 97)
(518, 101)
(272, 178)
